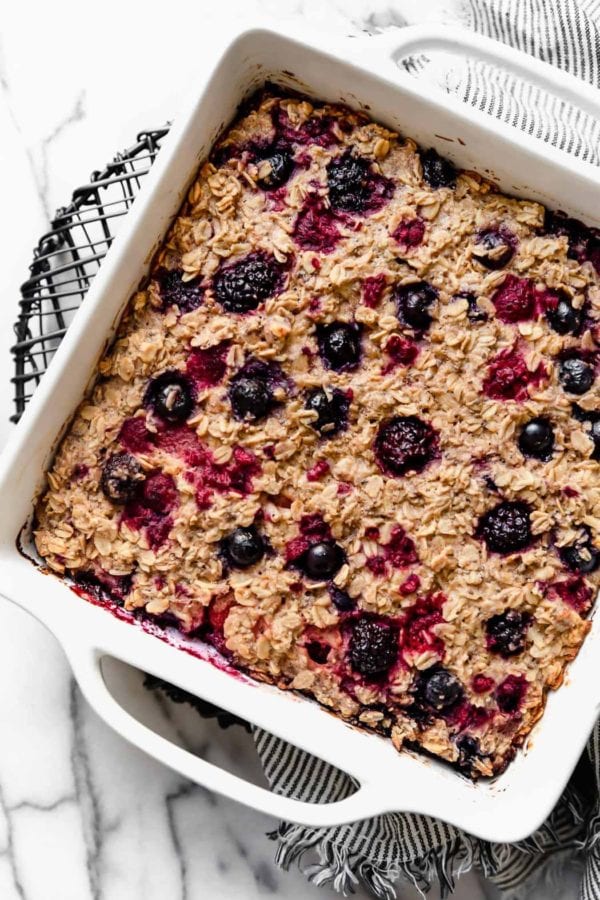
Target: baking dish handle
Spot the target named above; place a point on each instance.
(367, 801)
(387, 49)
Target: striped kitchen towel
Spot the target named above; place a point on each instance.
(380, 852)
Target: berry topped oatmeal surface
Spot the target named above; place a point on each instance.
(349, 433)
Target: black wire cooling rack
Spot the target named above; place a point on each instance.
(65, 261)
(67, 258)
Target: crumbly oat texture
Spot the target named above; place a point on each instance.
(348, 433)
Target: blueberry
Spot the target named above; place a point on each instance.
(437, 171)
(592, 418)
(537, 438)
(373, 647)
(342, 601)
(413, 302)
(564, 319)
(187, 295)
(506, 527)
(505, 632)
(348, 179)
(581, 556)
(240, 287)
(439, 689)
(339, 345)
(468, 750)
(404, 444)
(474, 312)
(576, 376)
(251, 398)
(282, 166)
(323, 560)
(122, 478)
(494, 248)
(244, 547)
(170, 396)
(331, 407)
(317, 651)
(595, 436)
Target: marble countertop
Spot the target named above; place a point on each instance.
(83, 814)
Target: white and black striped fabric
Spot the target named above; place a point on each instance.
(380, 852)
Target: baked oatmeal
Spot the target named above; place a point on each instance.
(349, 434)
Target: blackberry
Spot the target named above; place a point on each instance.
(505, 632)
(186, 295)
(506, 528)
(373, 647)
(241, 286)
(404, 444)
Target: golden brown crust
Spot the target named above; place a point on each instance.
(269, 610)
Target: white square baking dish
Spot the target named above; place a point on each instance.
(504, 809)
